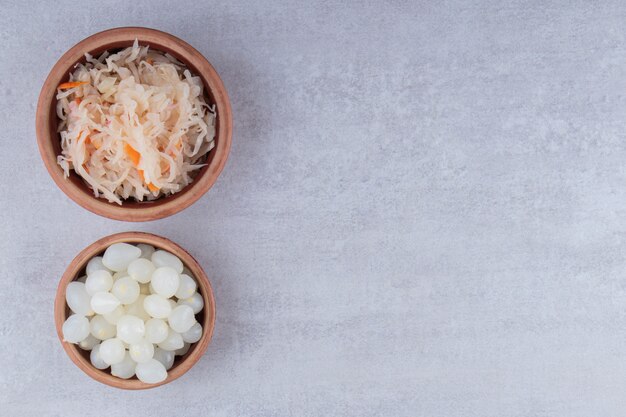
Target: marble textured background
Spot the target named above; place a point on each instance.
(423, 214)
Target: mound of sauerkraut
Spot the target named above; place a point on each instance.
(134, 124)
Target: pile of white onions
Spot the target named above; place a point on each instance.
(135, 310)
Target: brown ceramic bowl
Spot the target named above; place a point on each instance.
(76, 269)
(49, 140)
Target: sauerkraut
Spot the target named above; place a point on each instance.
(134, 124)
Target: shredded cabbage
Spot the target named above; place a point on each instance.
(134, 124)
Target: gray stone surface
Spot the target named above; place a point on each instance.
(423, 214)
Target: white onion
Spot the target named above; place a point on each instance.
(130, 329)
(193, 334)
(118, 256)
(165, 281)
(124, 369)
(163, 258)
(181, 318)
(172, 342)
(166, 357)
(98, 281)
(141, 270)
(96, 359)
(157, 306)
(195, 302)
(112, 351)
(75, 329)
(95, 264)
(126, 290)
(77, 299)
(156, 330)
(141, 351)
(187, 287)
(146, 250)
(104, 302)
(151, 372)
(101, 329)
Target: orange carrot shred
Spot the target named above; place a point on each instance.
(132, 154)
(71, 84)
(87, 140)
(151, 186)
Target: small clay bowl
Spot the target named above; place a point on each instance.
(49, 143)
(76, 269)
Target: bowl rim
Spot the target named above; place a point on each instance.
(139, 211)
(72, 273)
